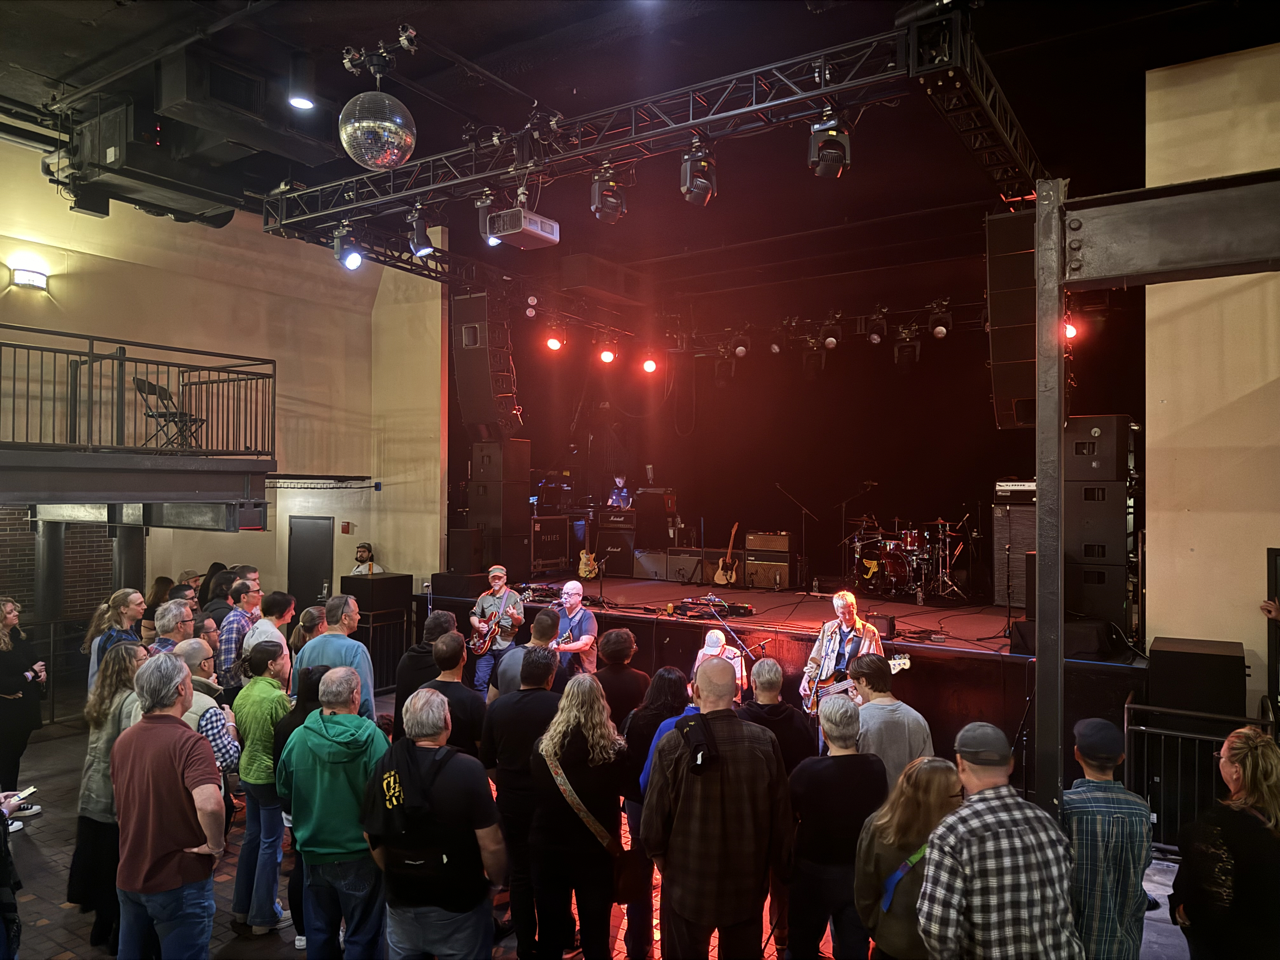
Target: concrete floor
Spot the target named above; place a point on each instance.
(56, 930)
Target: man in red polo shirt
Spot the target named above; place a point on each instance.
(167, 789)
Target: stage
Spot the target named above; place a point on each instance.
(961, 668)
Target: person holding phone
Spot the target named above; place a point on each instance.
(10, 924)
(21, 684)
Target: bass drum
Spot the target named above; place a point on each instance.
(896, 569)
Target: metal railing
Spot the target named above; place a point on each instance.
(57, 643)
(1174, 770)
(66, 391)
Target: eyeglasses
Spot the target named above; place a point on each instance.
(141, 656)
(189, 620)
(207, 659)
(209, 633)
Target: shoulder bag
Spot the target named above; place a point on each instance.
(632, 874)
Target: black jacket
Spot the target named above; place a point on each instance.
(218, 609)
(796, 735)
(417, 666)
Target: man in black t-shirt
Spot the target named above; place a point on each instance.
(514, 722)
(431, 822)
(466, 707)
(832, 797)
(624, 686)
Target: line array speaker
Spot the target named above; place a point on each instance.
(1011, 312)
(483, 369)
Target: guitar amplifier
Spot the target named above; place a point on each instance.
(682, 565)
(767, 570)
(650, 565)
(617, 519)
(616, 548)
(779, 542)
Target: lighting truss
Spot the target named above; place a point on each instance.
(936, 55)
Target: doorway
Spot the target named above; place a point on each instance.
(310, 560)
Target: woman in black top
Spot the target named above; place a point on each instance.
(21, 681)
(568, 857)
(202, 595)
(157, 595)
(1224, 893)
(667, 696)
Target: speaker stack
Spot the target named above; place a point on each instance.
(1097, 518)
(498, 502)
(483, 369)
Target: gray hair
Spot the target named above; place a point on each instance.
(192, 652)
(169, 615)
(767, 674)
(338, 686)
(426, 714)
(157, 682)
(336, 607)
(838, 716)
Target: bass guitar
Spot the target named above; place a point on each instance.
(839, 682)
(482, 639)
(727, 569)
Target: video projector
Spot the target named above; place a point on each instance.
(523, 229)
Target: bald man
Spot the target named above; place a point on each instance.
(719, 865)
(576, 642)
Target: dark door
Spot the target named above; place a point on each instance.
(310, 559)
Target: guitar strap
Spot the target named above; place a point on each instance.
(891, 882)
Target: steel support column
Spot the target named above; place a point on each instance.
(128, 559)
(50, 554)
(1050, 420)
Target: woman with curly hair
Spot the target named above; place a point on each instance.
(109, 710)
(1224, 893)
(22, 677)
(579, 762)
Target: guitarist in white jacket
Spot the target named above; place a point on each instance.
(839, 643)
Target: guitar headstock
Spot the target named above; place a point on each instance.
(899, 662)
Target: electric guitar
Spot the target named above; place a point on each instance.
(839, 682)
(482, 639)
(727, 569)
(588, 569)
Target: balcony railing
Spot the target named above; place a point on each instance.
(64, 391)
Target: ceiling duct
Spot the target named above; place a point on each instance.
(245, 106)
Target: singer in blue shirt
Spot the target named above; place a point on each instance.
(576, 643)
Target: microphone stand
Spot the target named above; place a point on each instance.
(804, 553)
(844, 544)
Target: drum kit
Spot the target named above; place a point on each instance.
(910, 561)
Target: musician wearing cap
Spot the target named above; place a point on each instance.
(364, 561)
(499, 612)
(839, 643)
(714, 645)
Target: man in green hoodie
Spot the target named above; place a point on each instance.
(323, 772)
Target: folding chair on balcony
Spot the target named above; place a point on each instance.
(174, 426)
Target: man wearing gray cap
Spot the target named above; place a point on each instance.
(997, 871)
(1110, 833)
(364, 560)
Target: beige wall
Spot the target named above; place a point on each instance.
(1213, 374)
(339, 409)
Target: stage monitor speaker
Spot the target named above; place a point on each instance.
(1011, 313)
(499, 509)
(461, 587)
(376, 592)
(466, 552)
(1013, 524)
(483, 369)
(1097, 524)
(616, 548)
(1081, 640)
(1097, 591)
(768, 570)
(500, 460)
(1031, 584)
(1203, 675)
(513, 552)
(1098, 449)
(649, 565)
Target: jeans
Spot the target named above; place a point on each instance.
(517, 818)
(822, 893)
(258, 867)
(587, 874)
(348, 890)
(419, 933)
(12, 747)
(683, 939)
(181, 918)
(639, 935)
(486, 667)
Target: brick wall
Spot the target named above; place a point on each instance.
(86, 568)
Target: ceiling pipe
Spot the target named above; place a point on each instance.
(476, 70)
(61, 105)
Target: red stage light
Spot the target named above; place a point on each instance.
(607, 355)
(554, 343)
(650, 366)
(1071, 330)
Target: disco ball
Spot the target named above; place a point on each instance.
(377, 130)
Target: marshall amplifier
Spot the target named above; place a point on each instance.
(767, 570)
(617, 549)
(1016, 491)
(616, 519)
(683, 565)
(779, 542)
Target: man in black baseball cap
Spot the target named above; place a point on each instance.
(997, 871)
(1110, 833)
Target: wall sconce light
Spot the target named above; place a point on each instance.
(32, 279)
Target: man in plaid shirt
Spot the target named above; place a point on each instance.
(246, 597)
(997, 872)
(1110, 833)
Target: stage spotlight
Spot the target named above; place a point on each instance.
(940, 323)
(698, 174)
(906, 353)
(483, 203)
(739, 347)
(725, 370)
(608, 197)
(829, 149)
(556, 337)
(650, 365)
(1070, 330)
(302, 82)
(829, 335)
(608, 353)
(345, 253)
(421, 245)
(813, 362)
(878, 332)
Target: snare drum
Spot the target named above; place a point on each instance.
(912, 540)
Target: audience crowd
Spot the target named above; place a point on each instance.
(515, 771)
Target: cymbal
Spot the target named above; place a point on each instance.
(862, 519)
(937, 523)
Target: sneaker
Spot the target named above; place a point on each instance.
(240, 917)
(299, 943)
(16, 825)
(27, 810)
(285, 920)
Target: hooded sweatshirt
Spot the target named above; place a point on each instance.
(417, 666)
(217, 609)
(322, 773)
(796, 735)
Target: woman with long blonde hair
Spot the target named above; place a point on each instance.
(311, 623)
(22, 676)
(927, 790)
(92, 880)
(580, 762)
(112, 623)
(1224, 893)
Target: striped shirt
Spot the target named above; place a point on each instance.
(997, 883)
(1109, 829)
